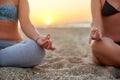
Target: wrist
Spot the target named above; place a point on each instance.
(36, 40)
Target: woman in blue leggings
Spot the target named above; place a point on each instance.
(14, 51)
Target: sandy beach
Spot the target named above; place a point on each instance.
(70, 61)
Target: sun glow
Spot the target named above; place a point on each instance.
(48, 21)
(50, 12)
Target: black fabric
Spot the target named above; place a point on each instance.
(108, 9)
(118, 43)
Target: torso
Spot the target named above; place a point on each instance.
(9, 29)
(111, 24)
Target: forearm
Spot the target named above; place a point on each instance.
(97, 25)
(96, 15)
(30, 31)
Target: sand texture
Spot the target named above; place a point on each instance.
(70, 61)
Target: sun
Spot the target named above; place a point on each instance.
(47, 21)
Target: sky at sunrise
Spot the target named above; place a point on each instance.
(51, 12)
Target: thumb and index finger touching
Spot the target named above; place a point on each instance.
(47, 37)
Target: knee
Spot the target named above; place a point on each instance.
(96, 51)
(38, 52)
(99, 45)
(94, 45)
(95, 60)
(37, 48)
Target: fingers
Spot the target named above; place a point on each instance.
(47, 37)
(95, 35)
(45, 44)
(48, 45)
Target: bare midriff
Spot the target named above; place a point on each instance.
(111, 27)
(9, 30)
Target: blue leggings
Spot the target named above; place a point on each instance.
(20, 53)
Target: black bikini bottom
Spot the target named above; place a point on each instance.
(118, 43)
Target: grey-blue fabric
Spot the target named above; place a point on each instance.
(25, 53)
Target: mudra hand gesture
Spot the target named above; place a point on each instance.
(95, 34)
(45, 42)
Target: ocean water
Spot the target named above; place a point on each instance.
(73, 25)
(70, 25)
